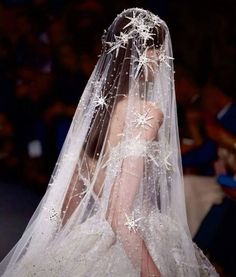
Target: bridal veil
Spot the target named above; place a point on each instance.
(118, 184)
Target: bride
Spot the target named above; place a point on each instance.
(115, 203)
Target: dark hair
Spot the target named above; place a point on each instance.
(117, 72)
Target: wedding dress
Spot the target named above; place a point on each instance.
(115, 203)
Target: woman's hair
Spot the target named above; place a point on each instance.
(117, 79)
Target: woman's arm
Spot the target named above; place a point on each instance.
(122, 196)
(120, 207)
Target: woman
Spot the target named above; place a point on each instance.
(115, 203)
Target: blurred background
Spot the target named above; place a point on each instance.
(47, 52)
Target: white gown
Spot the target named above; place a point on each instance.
(92, 249)
(72, 257)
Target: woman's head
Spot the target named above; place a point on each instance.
(133, 42)
(132, 46)
(136, 26)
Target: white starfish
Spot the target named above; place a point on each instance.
(164, 58)
(156, 21)
(114, 46)
(134, 21)
(100, 101)
(142, 119)
(146, 36)
(140, 26)
(120, 41)
(145, 62)
(143, 26)
(123, 38)
(131, 223)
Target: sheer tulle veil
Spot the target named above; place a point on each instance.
(119, 171)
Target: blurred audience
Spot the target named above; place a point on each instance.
(198, 149)
(9, 160)
(217, 233)
(47, 53)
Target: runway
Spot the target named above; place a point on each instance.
(17, 204)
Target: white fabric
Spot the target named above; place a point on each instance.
(201, 193)
(115, 205)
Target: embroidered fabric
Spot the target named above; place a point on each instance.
(91, 249)
(115, 204)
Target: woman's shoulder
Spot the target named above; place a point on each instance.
(138, 102)
(140, 106)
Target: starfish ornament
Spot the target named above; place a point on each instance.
(145, 35)
(164, 59)
(134, 21)
(155, 21)
(120, 41)
(142, 120)
(100, 101)
(131, 223)
(142, 26)
(145, 62)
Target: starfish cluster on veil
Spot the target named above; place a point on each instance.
(140, 29)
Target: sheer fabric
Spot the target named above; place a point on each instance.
(115, 204)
